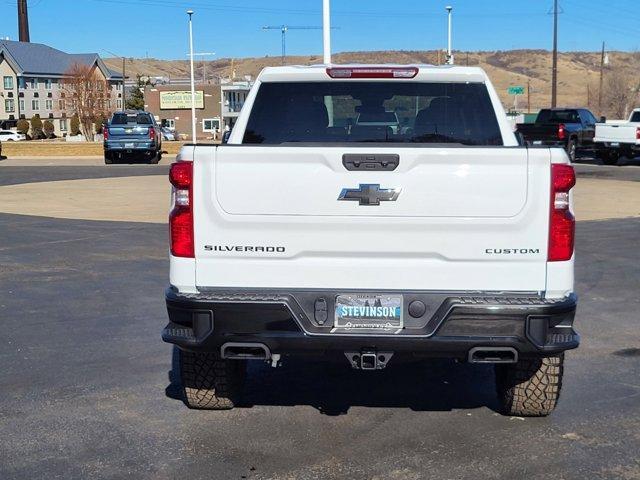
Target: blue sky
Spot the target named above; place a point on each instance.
(158, 28)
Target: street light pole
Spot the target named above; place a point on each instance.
(449, 51)
(193, 82)
(554, 67)
(326, 31)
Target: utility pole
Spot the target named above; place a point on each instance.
(449, 51)
(124, 86)
(529, 95)
(284, 29)
(554, 68)
(601, 79)
(23, 21)
(204, 64)
(193, 83)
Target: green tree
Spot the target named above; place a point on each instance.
(22, 126)
(36, 127)
(136, 99)
(48, 128)
(75, 125)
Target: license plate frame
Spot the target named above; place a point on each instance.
(129, 145)
(368, 313)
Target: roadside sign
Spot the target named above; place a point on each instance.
(517, 90)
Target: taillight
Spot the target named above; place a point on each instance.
(372, 72)
(561, 131)
(561, 221)
(105, 133)
(152, 134)
(637, 133)
(181, 217)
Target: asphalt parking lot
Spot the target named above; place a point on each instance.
(87, 390)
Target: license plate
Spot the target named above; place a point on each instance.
(537, 142)
(129, 145)
(615, 144)
(368, 313)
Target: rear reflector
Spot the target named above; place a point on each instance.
(372, 72)
(180, 174)
(561, 220)
(181, 217)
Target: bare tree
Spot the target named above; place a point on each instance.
(87, 95)
(620, 94)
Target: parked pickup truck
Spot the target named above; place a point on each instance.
(569, 128)
(614, 140)
(311, 234)
(132, 135)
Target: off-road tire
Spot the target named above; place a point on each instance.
(209, 382)
(572, 150)
(531, 387)
(609, 157)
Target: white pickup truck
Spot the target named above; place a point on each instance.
(613, 140)
(310, 233)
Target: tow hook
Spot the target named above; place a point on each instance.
(368, 359)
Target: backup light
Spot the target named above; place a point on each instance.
(372, 72)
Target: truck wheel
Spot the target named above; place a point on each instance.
(210, 383)
(572, 149)
(611, 158)
(107, 159)
(157, 156)
(531, 387)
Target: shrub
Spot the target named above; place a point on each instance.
(22, 126)
(48, 128)
(98, 123)
(75, 125)
(36, 127)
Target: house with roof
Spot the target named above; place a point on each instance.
(32, 76)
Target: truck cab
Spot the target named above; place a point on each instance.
(311, 233)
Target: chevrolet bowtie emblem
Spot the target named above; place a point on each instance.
(370, 194)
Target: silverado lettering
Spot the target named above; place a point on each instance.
(243, 248)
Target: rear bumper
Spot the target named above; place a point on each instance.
(127, 147)
(611, 145)
(546, 143)
(453, 323)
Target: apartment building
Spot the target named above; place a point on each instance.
(32, 76)
(233, 94)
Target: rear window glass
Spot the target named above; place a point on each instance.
(635, 117)
(131, 118)
(400, 112)
(558, 116)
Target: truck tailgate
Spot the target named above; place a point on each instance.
(463, 219)
(623, 133)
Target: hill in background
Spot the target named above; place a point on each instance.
(578, 72)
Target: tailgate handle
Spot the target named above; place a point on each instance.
(372, 162)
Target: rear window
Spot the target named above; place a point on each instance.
(399, 112)
(635, 117)
(558, 116)
(131, 118)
